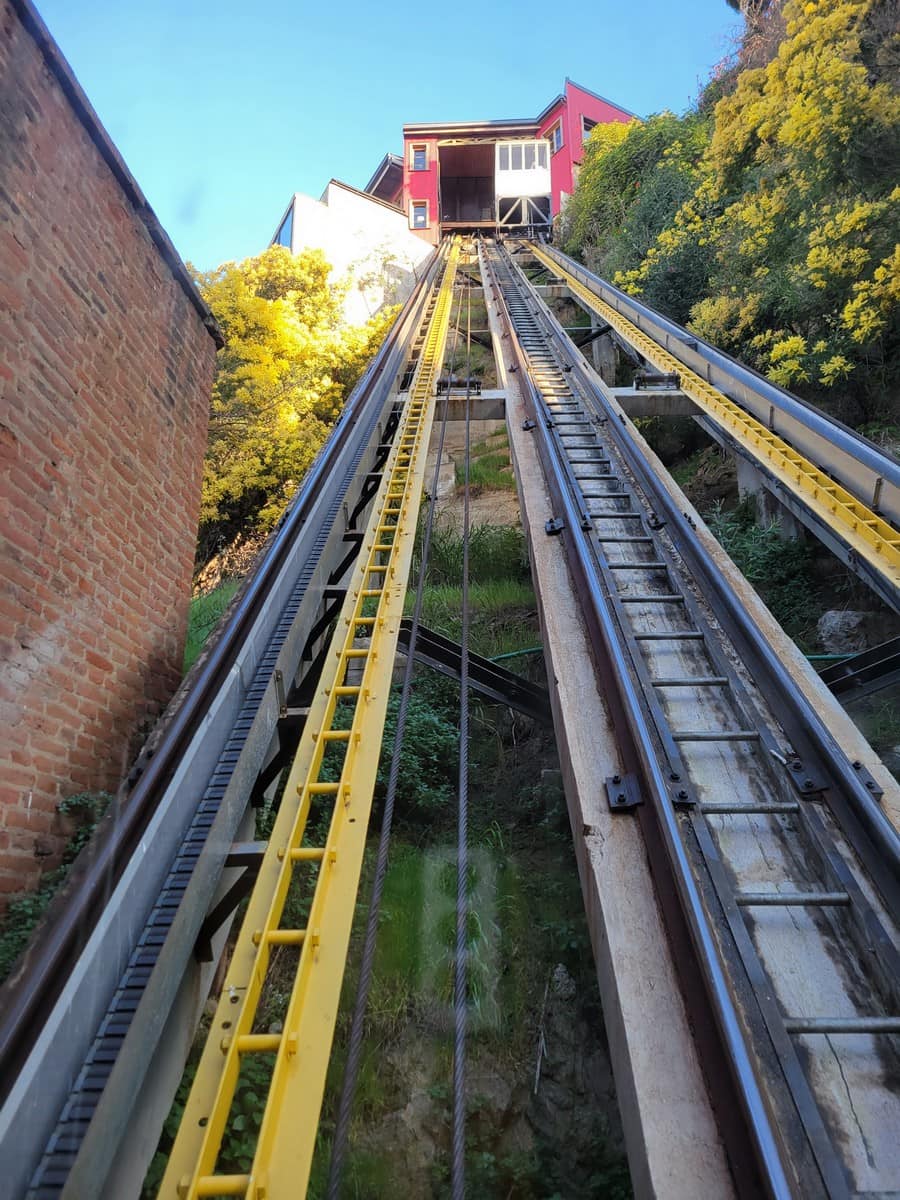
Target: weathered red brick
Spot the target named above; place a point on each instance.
(99, 487)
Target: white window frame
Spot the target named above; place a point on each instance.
(539, 148)
(413, 205)
(417, 146)
(551, 137)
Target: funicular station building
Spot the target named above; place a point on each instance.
(492, 175)
(452, 177)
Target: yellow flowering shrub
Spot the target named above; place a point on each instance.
(785, 251)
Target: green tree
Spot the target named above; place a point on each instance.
(286, 368)
(785, 251)
(632, 182)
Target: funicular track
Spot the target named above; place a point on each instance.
(776, 869)
(107, 996)
(756, 824)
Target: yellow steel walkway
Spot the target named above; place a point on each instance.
(868, 535)
(357, 677)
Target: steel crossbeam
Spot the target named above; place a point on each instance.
(357, 676)
(868, 535)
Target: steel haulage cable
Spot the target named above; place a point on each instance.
(354, 1051)
(460, 982)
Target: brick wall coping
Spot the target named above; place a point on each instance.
(81, 106)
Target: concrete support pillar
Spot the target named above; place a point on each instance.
(751, 482)
(603, 350)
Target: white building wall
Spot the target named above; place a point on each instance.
(521, 182)
(368, 244)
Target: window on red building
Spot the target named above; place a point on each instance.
(418, 214)
(586, 126)
(419, 158)
(555, 136)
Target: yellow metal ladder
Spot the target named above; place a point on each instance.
(357, 677)
(870, 536)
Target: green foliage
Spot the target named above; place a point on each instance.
(503, 614)
(496, 552)
(245, 1117)
(241, 1131)
(22, 915)
(82, 811)
(779, 568)
(634, 179)
(784, 249)
(685, 471)
(205, 613)
(489, 465)
(283, 375)
(428, 759)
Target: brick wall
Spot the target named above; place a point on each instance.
(106, 361)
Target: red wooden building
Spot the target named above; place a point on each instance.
(484, 174)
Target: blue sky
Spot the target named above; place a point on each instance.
(223, 110)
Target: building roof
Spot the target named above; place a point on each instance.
(450, 128)
(518, 125)
(390, 162)
(364, 195)
(559, 99)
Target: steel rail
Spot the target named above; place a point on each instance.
(641, 755)
(854, 806)
(873, 835)
(759, 395)
(871, 944)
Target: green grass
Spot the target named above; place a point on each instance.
(503, 614)
(489, 465)
(685, 471)
(492, 471)
(496, 553)
(780, 569)
(501, 599)
(205, 614)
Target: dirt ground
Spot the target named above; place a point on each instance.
(486, 507)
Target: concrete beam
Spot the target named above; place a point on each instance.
(655, 402)
(603, 351)
(553, 291)
(489, 406)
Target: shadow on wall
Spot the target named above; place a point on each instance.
(381, 278)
